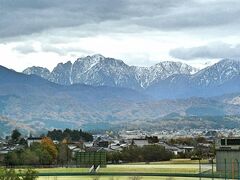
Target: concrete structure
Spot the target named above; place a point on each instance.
(228, 156)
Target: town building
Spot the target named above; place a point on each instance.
(140, 142)
(228, 155)
(31, 140)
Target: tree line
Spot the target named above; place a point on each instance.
(44, 152)
(149, 153)
(72, 135)
(190, 141)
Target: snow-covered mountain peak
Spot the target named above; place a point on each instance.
(93, 58)
(99, 70)
(218, 73)
(177, 65)
(226, 60)
(147, 76)
(39, 71)
(97, 56)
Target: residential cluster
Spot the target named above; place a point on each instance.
(191, 143)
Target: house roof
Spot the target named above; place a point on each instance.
(140, 142)
(95, 149)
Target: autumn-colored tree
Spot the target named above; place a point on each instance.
(50, 147)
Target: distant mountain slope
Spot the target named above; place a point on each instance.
(36, 103)
(163, 80)
(217, 74)
(98, 70)
(37, 86)
(218, 79)
(7, 125)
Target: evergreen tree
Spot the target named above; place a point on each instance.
(15, 137)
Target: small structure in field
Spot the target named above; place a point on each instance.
(89, 159)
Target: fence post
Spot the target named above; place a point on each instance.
(225, 163)
(212, 170)
(237, 168)
(199, 160)
(233, 176)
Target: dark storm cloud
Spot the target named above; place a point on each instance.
(23, 17)
(210, 51)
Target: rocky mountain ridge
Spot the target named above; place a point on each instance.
(98, 70)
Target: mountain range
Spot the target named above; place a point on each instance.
(164, 80)
(96, 92)
(97, 70)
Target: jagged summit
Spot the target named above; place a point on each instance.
(39, 71)
(98, 70)
(218, 73)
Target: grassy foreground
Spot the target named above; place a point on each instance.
(175, 166)
(149, 168)
(62, 170)
(118, 178)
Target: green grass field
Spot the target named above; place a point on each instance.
(153, 168)
(174, 166)
(62, 170)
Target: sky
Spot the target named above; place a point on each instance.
(139, 32)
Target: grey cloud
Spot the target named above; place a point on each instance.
(63, 51)
(215, 50)
(24, 17)
(25, 49)
(194, 15)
